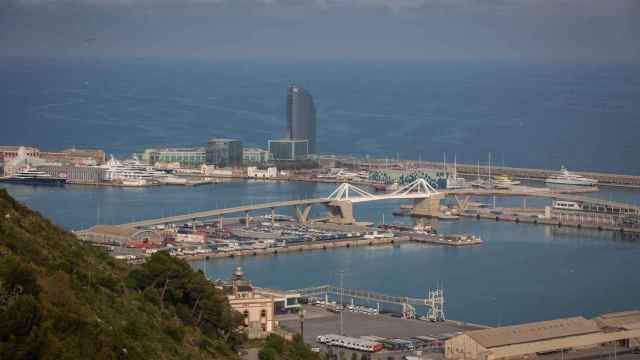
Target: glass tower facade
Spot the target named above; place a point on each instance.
(224, 152)
(288, 149)
(301, 116)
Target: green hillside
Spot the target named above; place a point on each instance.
(63, 299)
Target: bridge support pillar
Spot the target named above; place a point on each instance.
(341, 212)
(464, 204)
(303, 216)
(246, 219)
(428, 206)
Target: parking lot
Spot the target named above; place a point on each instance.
(319, 321)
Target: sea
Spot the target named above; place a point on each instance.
(583, 116)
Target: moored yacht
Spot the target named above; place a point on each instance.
(567, 178)
(130, 172)
(31, 176)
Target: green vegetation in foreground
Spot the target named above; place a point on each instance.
(277, 348)
(61, 298)
(64, 299)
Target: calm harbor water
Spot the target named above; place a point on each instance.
(522, 272)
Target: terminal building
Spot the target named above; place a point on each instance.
(576, 336)
(289, 149)
(186, 157)
(224, 152)
(253, 155)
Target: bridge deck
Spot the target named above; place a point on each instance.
(221, 212)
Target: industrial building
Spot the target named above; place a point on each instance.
(82, 174)
(289, 149)
(17, 157)
(255, 155)
(301, 116)
(571, 335)
(224, 152)
(73, 156)
(186, 157)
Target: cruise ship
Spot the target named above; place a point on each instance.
(130, 172)
(567, 178)
(31, 176)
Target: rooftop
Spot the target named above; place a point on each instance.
(531, 332)
(222, 140)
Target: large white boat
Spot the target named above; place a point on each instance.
(31, 176)
(130, 172)
(567, 178)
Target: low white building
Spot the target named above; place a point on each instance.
(254, 172)
(212, 170)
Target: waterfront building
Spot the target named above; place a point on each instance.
(212, 170)
(301, 116)
(9, 152)
(257, 308)
(562, 335)
(224, 152)
(15, 157)
(186, 157)
(80, 174)
(289, 149)
(73, 156)
(255, 155)
(269, 173)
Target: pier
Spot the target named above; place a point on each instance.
(434, 301)
(609, 179)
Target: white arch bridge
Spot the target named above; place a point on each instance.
(339, 203)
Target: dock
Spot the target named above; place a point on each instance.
(446, 240)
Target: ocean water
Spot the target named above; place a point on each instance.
(585, 116)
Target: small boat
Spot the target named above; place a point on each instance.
(505, 180)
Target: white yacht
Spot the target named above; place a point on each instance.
(130, 172)
(567, 178)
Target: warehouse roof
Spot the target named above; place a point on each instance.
(626, 320)
(531, 332)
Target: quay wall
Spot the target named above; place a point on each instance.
(554, 222)
(472, 170)
(325, 245)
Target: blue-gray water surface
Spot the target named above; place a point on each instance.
(543, 115)
(522, 272)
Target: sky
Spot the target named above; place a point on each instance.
(537, 30)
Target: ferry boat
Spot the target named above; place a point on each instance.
(31, 176)
(566, 205)
(567, 178)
